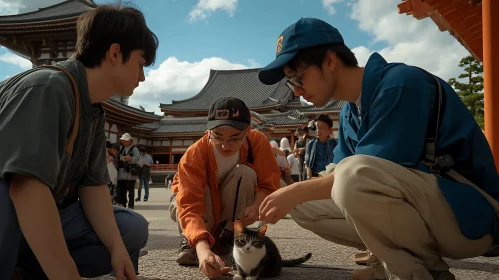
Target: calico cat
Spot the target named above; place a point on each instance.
(257, 255)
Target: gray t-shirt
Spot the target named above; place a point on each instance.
(36, 116)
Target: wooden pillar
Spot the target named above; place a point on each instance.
(292, 140)
(490, 29)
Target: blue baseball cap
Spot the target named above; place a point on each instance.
(305, 33)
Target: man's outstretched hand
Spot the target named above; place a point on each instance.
(278, 204)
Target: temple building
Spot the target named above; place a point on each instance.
(48, 35)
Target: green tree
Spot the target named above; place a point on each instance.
(469, 86)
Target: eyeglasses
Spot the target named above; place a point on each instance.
(294, 81)
(232, 142)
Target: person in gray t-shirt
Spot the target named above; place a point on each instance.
(56, 219)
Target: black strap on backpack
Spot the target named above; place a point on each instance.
(430, 157)
(249, 158)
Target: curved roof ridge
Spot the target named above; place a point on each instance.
(228, 71)
(16, 17)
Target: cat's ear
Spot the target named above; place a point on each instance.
(238, 227)
(262, 229)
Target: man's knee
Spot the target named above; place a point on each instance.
(247, 173)
(352, 175)
(134, 229)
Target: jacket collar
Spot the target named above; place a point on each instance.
(373, 73)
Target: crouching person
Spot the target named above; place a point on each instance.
(221, 178)
(56, 216)
(415, 179)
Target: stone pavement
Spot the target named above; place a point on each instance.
(329, 261)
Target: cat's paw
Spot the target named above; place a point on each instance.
(237, 277)
(251, 278)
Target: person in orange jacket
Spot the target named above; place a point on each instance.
(221, 178)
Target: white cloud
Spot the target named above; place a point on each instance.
(411, 41)
(178, 80)
(205, 7)
(329, 5)
(254, 64)
(8, 8)
(16, 60)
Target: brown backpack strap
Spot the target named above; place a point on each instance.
(76, 120)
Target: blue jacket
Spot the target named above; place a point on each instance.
(396, 105)
(311, 148)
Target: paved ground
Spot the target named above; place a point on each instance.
(329, 261)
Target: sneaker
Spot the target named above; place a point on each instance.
(186, 255)
(137, 199)
(145, 199)
(374, 270)
(143, 253)
(363, 258)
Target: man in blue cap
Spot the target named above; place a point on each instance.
(413, 178)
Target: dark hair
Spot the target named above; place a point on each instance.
(326, 119)
(142, 149)
(315, 56)
(105, 25)
(117, 146)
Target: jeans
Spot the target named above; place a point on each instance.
(144, 182)
(90, 255)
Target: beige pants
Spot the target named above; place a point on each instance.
(228, 189)
(398, 213)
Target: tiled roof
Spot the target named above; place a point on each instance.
(331, 105)
(133, 109)
(243, 84)
(181, 128)
(173, 125)
(61, 10)
(286, 118)
(150, 126)
(198, 125)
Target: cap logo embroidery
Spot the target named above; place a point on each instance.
(222, 114)
(235, 114)
(279, 44)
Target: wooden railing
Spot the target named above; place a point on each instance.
(164, 167)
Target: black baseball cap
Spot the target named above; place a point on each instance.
(229, 111)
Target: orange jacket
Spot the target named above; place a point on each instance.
(198, 164)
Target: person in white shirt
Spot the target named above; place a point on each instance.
(294, 165)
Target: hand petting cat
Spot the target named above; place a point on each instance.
(210, 264)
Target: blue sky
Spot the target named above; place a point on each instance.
(199, 35)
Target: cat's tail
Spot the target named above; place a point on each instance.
(295, 262)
